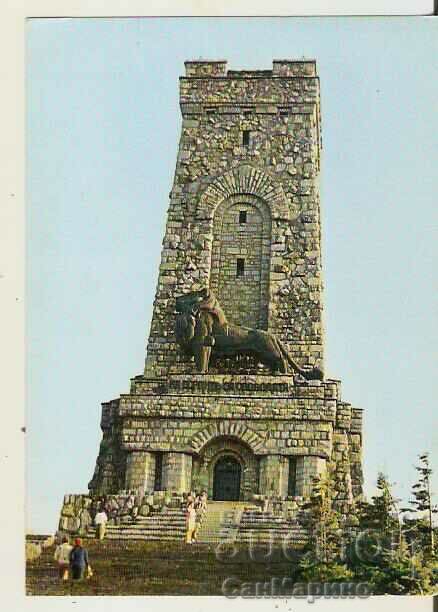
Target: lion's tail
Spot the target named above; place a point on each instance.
(314, 374)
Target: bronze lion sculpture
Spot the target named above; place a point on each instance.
(202, 330)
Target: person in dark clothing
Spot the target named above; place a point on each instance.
(78, 560)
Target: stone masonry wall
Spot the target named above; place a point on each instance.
(110, 470)
(278, 166)
(279, 435)
(140, 471)
(307, 469)
(310, 422)
(177, 472)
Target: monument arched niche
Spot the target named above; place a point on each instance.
(240, 259)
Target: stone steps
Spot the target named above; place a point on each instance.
(297, 543)
(266, 535)
(146, 526)
(266, 528)
(167, 526)
(162, 520)
(239, 522)
(282, 531)
(141, 530)
(221, 521)
(146, 536)
(267, 525)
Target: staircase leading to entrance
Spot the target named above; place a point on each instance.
(221, 521)
(225, 521)
(168, 525)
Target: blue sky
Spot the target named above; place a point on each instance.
(103, 125)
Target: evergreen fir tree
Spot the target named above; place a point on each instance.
(382, 515)
(383, 559)
(421, 528)
(379, 525)
(324, 520)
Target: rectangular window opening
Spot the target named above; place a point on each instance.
(242, 217)
(292, 480)
(245, 138)
(240, 267)
(158, 471)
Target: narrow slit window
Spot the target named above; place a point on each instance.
(240, 267)
(158, 471)
(245, 138)
(292, 480)
(242, 217)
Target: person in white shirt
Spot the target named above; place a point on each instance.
(190, 523)
(203, 503)
(100, 520)
(62, 556)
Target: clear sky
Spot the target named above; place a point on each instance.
(103, 126)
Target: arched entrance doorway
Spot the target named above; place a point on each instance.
(226, 479)
(217, 449)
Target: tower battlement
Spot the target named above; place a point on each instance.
(280, 67)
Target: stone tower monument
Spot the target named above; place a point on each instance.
(233, 398)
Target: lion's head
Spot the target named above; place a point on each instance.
(190, 302)
(189, 307)
(201, 300)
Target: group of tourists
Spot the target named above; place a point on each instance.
(115, 512)
(196, 507)
(107, 509)
(72, 560)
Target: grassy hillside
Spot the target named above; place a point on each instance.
(142, 568)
